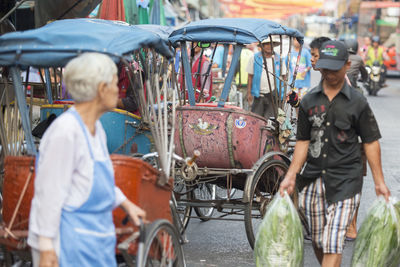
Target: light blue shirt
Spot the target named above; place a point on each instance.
(305, 62)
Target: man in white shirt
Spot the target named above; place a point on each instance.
(260, 85)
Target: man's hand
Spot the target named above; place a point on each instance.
(381, 189)
(288, 184)
(48, 258)
(373, 152)
(293, 99)
(249, 98)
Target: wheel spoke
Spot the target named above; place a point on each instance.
(162, 248)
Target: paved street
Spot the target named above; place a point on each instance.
(219, 243)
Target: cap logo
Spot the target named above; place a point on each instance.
(330, 50)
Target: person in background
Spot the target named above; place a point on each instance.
(315, 45)
(293, 98)
(219, 56)
(259, 87)
(200, 76)
(331, 118)
(245, 55)
(376, 53)
(303, 77)
(71, 221)
(127, 100)
(242, 75)
(364, 47)
(357, 64)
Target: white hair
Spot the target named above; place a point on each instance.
(84, 73)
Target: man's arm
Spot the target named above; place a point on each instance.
(249, 85)
(373, 152)
(205, 78)
(299, 157)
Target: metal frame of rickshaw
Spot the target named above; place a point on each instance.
(232, 28)
(158, 225)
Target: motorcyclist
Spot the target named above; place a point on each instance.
(357, 64)
(376, 54)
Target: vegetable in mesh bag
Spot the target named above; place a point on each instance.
(279, 241)
(378, 240)
(397, 206)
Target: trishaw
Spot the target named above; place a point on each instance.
(51, 47)
(236, 149)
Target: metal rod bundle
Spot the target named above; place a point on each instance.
(156, 99)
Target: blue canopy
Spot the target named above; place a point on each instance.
(55, 44)
(162, 31)
(235, 30)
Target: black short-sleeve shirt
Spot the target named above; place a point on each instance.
(333, 128)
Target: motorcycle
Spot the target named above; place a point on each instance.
(374, 81)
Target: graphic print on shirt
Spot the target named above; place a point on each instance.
(317, 118)
(301, 68)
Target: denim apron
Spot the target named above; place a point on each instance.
(87, 233)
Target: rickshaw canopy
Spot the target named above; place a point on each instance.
(162, 31)
(56, 43)
(231, 30)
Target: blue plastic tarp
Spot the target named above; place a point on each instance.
(235, 30)
(55, 44)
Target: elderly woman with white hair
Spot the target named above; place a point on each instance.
(71, 221)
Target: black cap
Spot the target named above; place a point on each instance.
(332, 55)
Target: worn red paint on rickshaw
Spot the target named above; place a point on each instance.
(227, 137)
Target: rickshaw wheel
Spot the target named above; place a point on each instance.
(264, 186)
(162, 247)
(205, 192)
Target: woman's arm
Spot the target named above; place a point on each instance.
(133, 211)
(53, 180)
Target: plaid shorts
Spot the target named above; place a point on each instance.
(328, 223)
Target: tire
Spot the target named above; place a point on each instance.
(264, 186)
(162, 246)
(375, 88)
(204, 192)
(369, 90)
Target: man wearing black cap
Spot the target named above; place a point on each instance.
(331, 118)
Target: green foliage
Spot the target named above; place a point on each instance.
(279, 241)
(378, 240)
